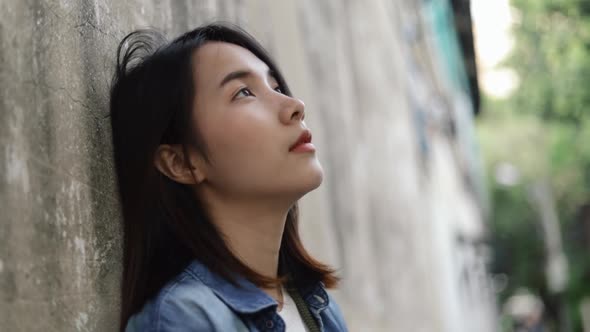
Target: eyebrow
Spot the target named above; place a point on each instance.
(239, 74)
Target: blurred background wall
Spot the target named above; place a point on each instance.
(390, 90)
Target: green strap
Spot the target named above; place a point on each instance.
(309, 321)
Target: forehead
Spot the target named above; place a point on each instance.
(214, 60)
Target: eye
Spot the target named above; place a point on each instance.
(279, 90)
(243, 92)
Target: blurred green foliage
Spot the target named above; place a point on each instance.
(543, 129)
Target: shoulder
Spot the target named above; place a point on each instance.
(334, 314)
(184, 304)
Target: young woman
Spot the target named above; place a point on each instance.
(211, 155)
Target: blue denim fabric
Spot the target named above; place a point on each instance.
(199, 300)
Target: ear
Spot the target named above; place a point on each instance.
(170, 161)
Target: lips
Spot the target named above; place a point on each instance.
(304, 138)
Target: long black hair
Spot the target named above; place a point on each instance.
(165, 226)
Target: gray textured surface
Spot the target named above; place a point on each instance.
(382, 215)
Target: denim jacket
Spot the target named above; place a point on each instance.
(199, 300)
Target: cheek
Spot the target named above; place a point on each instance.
(241, 134)
(240, 140)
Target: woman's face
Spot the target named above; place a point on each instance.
(250, 127)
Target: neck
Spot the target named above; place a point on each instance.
(253, 230)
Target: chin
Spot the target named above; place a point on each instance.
(302, 180)
(313, 178)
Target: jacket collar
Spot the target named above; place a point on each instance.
(316, 296)
(247, 298)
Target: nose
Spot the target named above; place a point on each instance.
(292, 110)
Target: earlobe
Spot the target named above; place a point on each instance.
(169, 160)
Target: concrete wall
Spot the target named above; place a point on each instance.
(396, 213)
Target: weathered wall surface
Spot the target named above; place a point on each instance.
(394, 202)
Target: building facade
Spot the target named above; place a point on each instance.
(389, 97)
